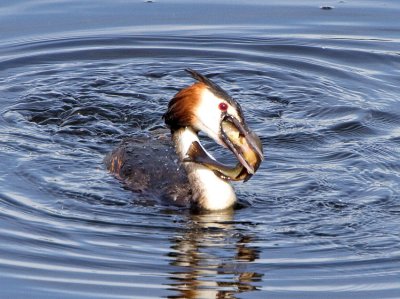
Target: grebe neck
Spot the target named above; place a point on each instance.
(209, 192)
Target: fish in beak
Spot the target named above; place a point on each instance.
(245, 145)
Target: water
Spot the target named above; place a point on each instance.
(321, 87)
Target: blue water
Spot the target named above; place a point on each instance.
(321, 88)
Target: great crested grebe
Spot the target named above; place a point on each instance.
(204, 182)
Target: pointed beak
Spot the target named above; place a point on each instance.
(244, 143)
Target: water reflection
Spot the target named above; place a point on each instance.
(213, 258)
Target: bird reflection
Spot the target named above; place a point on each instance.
(212, 258)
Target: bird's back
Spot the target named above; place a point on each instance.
(150, 165)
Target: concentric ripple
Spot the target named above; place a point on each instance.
(323, 210)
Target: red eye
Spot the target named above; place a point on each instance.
(223, 106)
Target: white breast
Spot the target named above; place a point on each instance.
(209, 191)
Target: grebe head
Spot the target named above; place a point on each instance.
(205, 106)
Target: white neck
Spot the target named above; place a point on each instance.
(209, 191)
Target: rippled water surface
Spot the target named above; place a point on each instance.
(320, 86)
